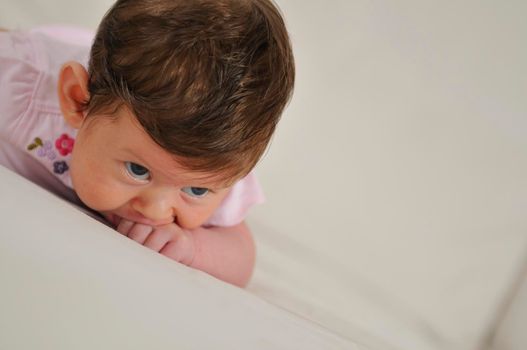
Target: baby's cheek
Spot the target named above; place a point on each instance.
(99, 199)
(191, 219)
(194, 217)
(97, 193)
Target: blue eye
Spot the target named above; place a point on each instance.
(195, 191)
(137, 171)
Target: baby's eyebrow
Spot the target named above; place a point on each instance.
(214, 182)
(130, 152)
(218, 185)
(185, 177)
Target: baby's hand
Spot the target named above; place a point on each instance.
(169, 240)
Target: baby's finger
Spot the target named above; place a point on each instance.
(125, 226)
(158, 239)
(181, 250)
(140, 232)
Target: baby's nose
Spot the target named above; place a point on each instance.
(155, 205)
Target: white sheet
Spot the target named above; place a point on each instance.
(69, 282)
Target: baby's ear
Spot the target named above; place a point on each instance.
(73, 92)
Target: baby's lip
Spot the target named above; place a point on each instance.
(116, 219)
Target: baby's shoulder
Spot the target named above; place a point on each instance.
(30, 116)
(246, 193)
(30, 63)
(27, 57)
(19, 75)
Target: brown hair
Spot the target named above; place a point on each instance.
(207, 79)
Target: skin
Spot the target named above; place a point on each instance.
(158, 209)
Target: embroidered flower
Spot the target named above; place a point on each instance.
(44, 149)
(64, 144)
(41, 152)
(60, 167)
(51, 155)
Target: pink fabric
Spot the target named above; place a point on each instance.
(33, 134)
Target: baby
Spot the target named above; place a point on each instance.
(160, 134)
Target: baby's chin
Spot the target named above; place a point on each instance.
(111, 218)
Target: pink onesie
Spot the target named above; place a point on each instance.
(36, 142)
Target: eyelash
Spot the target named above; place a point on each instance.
(129, 170)
(137, 177)
(207, 191)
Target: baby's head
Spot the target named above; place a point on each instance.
(195, 87)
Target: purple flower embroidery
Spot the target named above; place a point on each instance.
(60, 167)
(41, 152)
(44, 149)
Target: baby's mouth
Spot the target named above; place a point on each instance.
(115, 219)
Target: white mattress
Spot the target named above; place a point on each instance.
(70, 282)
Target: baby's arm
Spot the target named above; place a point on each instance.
(227, 253)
